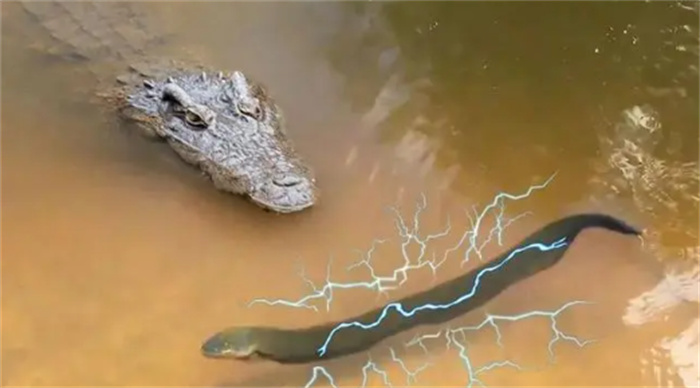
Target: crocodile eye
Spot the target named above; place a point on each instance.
(194, 119)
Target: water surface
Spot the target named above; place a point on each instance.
(118, 259)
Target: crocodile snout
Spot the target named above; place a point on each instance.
(288, 180)
(286, 192)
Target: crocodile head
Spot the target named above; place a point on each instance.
(227, 126)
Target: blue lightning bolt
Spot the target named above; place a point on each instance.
(409, 313)
(410, 235)
(497, 202)
(474, 372)
(411, 376)
(491, 320)
(381, 284)
(409, 232)
(370, 366)
(452, 341)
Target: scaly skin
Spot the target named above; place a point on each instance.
(224, 124)
(94, 30)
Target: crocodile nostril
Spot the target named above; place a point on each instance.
(288, 180)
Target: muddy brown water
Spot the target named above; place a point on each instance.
(118, 260)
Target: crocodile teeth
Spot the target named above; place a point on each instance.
(203, 76)
(149, 84)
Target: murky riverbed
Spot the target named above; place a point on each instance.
(118, 260)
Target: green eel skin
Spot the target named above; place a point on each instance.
(298, 346)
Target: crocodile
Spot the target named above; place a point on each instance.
(223, 123)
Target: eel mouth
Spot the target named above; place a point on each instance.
(226, 355)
